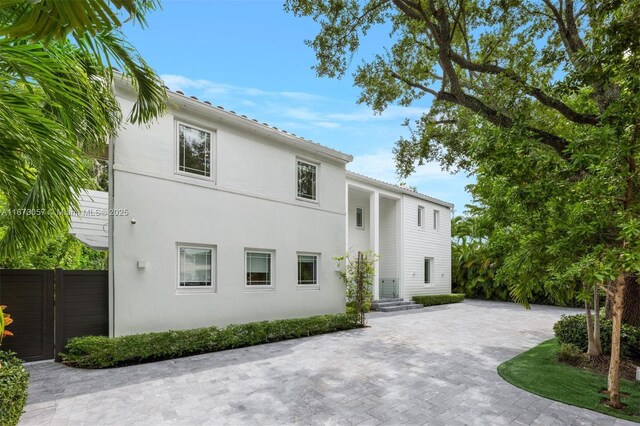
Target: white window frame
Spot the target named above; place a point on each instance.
(436, 220)
(317, 186)
(214, 269)
(271, 285)
(421, 217)
(212, 151)
(308, 286)
(362, 226)
(431, 261)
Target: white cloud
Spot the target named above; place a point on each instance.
(311, 109)
(381, 165)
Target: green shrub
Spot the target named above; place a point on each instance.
(573, 329)
(14, 381)
(103, 352)
(438, 299)
(570, 354)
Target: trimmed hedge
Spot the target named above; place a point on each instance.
(14, 381)
(573, 329)
(104, 352)
(438, 299)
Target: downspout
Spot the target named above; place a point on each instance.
(110, 221)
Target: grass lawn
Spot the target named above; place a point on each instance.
(537, 371)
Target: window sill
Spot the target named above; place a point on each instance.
(258, 289)
(195, 176)
(306, 200)
(303, 287)
(195, 290)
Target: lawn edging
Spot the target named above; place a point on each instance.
(537, 371)
(438, 299)
(105, 352)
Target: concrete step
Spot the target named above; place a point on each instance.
(394, 303)
(404, 307)
(389, 299)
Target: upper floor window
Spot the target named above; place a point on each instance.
(436, 219)
(195, 266)
(307, 181)
(359, 218)
(420, 217)
(194, 151)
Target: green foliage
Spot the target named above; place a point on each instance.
(474, 262)
(104, 352)
(57, 105)
(14, 381)
(358, 275)
(538, 371)
(438, 299)
(572, 329)
(570, 354)
(61, 251)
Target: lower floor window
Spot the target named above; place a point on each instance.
(195, 266)
(428, 264)
(258, 267)
(307, 269)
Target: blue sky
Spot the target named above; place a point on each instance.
(249, 56)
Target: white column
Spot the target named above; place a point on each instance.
(374, 243)
(347, 212)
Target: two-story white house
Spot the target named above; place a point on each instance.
(218, 218)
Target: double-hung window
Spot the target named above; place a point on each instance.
(307, 269)
(195, 266)
(436, 219)
(194, 150)
(258, 266)
(307, 181)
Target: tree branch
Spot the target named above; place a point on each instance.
(413, 84)
(536, 92)
(501, 120)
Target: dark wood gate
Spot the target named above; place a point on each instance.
(28, 295)
(82, 305)
(49, 309)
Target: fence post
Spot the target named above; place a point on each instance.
(59, 313)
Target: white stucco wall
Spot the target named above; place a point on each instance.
(421, 242)
(251, 203)
(388, 237)
(359, 239)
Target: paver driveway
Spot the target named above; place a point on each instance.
(432, 366)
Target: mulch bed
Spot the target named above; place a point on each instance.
(600, 365)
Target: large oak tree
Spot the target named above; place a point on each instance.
(539, 99)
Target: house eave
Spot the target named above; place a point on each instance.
(180, 103)
(395, 188)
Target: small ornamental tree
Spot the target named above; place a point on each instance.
(358, 275)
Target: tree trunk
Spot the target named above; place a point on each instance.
(614, 366)
(594, 349)
(609, 300)
(631, 311)
(596, 325)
